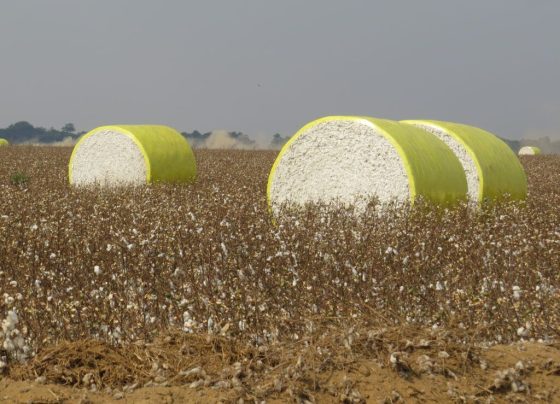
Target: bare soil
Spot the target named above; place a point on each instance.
(536, 366)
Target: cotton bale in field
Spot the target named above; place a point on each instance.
(350, 159)
(529, 151)
(4, 142)
(491, 167)
(131, 155)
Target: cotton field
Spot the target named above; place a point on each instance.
(205, 262)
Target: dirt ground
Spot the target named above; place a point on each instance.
(534, 371)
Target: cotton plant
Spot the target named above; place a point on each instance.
(12, 341)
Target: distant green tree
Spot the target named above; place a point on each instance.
(278, 141)
(21, 127)
(69, 128)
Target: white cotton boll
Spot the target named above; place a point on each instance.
(116, 333)
(13, 283)
(522, 332)
(97, 270)
(188, 326)
(12, 319)
(34, 227)
(439, 286)
(19, 342)
(391, 250)
(517, 292)
(8, 345)
(242, 325)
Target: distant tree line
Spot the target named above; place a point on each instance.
(199, 140)
(24, 132)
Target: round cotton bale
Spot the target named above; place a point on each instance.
(131, 155)
(351, 159)
(4, 142)
(491, 167)
(529, 151)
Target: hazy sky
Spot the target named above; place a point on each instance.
(271, 66)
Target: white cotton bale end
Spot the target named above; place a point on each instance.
(491, 167)
(131, 155)
(529, 151)
(4, 142)
(350, 159)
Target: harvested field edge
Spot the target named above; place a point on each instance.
(386, 365)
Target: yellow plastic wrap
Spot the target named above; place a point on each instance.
(4, 142)
(167, 154)
(499, 169)
(433, 171)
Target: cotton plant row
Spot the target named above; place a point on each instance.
(126, 265)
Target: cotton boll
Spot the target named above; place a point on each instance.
(8, 345)
(517, 292)
(522, 332)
